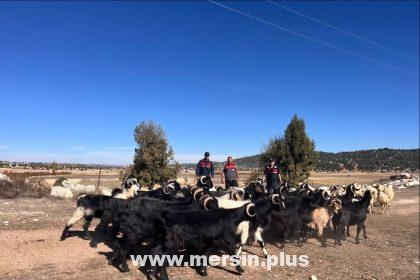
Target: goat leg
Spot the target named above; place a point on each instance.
(364, 231)
(258, 237)
(323, 238)
(230, 246)
(163, 274)
(158, 250)
(120, 248)
(359, 228)
(77, 216)
(300, 236)
(64, 233)
(100, 228)
(86, 225)
(337, 236)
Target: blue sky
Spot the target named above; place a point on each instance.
(76, 78)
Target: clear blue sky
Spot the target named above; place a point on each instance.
(76, 77)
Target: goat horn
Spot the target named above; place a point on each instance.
(284, 190)
(197, 191)
(309, 193)
(275, 198)
(247, 208)
(207, 200)
(166, 190)
(203, 180)
(235, 195)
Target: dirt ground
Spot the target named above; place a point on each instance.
(30, 248)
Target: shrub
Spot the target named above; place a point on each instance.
(255, 175)
(21, 186)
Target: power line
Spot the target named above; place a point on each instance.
(343, 31)
(315, 40)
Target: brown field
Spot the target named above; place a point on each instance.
(317, 178)
(109, 178)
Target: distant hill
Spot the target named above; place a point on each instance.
(370, 160)
(363, 160)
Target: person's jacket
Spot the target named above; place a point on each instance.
(204, 168)
(272, 174)
(230, 171)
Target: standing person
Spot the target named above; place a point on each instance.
(230, 174)
(272, 176)
(204, 167)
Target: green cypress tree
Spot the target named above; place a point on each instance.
(153, 159)
(294, 152)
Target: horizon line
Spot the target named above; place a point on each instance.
(127, 164)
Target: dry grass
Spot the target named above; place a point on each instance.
(22, 186)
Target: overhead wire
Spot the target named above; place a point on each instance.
(314, 39)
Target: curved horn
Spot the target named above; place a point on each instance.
(283, 190)
(206, 200)
(275, 198)
(352, 188)
(234, 195)
(248, 207)
(166, 190)
(197, 191)
(203, 180)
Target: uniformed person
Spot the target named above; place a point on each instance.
(204, 167)
(230, 174)
(272, 176)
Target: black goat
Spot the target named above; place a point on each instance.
(254, 190)
(205, 183)
(170, 191)
(353, 213)
(196, 231)
(91, 206)
(285, 223)
(117, 210)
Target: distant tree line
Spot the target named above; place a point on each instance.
(54, 166)
(364, 160)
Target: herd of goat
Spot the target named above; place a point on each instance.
(194, 220)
